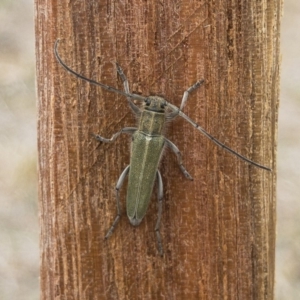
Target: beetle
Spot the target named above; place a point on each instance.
(148, 143)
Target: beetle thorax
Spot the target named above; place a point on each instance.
(153, 116)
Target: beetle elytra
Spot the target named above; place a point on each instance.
(147, 146)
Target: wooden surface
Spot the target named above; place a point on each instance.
(219, 230)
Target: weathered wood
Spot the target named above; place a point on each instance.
(219, 230)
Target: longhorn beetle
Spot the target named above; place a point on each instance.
(146, 150)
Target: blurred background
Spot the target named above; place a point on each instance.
(19, 228)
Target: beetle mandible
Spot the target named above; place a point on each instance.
(147, 147)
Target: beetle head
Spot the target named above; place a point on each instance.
(155, 103)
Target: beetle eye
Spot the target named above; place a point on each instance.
(163, 105)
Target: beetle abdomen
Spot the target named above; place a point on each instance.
(145, 156)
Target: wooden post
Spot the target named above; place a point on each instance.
(219, 230)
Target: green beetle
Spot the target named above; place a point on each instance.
(148, 143)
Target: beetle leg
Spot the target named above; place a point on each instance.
(118, 186)
(185, 97)
(160, 198)
(188, 91)
(174, 148)
(135, 108)
(128, 130)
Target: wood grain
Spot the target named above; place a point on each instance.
(219, 230)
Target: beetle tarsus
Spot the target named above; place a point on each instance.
(112, 228)
(186, 173)
(159, 243)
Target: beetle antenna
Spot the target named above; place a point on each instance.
(213, 139)
(104, 86)
(173, 107)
